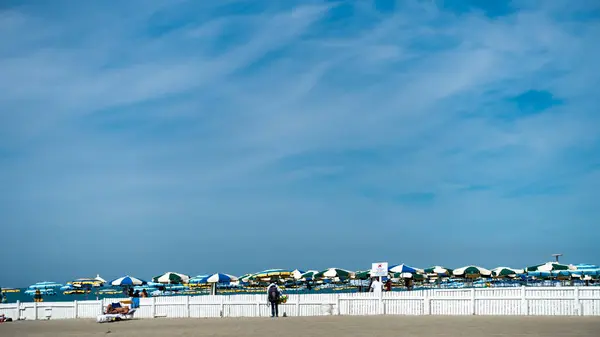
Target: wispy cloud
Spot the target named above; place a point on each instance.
(203, 128)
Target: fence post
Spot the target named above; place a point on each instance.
(524, 303)
(153, 309)
(298, 305)
(257, 307)
(578, 308)
(187, 306)
(35, 313)
(381, 302)
(75, 308)
(18, 315)
(338, 309)
(222, 306)
(426, 305)
(472, 301)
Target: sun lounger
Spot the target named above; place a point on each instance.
(104, 318)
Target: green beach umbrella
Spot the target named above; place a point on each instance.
(416, 277)
(333, 273)
(309, 275)
(171, 278)
(363, 275)
(472, 272)
(438, 270)
(551, 266)
(505, 272)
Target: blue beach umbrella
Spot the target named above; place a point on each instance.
(402, 268)
(219, 278)
(198, 279)
(45, 285)
(126, 281)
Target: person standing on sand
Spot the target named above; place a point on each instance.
(376, 286)
(273, 296)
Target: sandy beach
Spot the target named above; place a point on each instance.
(316, 326)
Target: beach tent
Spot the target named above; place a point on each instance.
(99, 279)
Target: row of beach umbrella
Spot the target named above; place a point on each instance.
(549, 269)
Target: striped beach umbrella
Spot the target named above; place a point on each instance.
(402, 268)
(297, 274)
(309, 275)
(472, 272)
(171, 278)
(415, 276)
(551, 266)
(272, 274)
(334, 273)
(197, 279)
(127, 281)
(363, 275)
(506, 272)
(219, 278)
(438, 270)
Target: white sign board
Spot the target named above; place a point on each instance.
(379, 269)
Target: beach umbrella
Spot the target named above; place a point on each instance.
(45, 285)
(539, 274)
(402, 268)
(245, 277)
(87, 282)
(196, 279)
(219, 278)
(99, 279)
(363, 275)
(438, 270)
(416, 277)
(272, 274)
(561, 274)
(505, 272)
(171, 278)
(309, 275)
(297, 274)
(551, 266)
(333, 273)
(127, 281)
(472, 272)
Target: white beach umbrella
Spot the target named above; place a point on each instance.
(171, 278)
(127, 281)
(472, 272)
(297, 274)
(220, 278)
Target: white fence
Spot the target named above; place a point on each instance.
(487, 301)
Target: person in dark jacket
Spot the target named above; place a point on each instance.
(273, 296)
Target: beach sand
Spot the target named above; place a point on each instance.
(348, 326)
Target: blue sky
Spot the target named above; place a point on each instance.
(200, 136)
